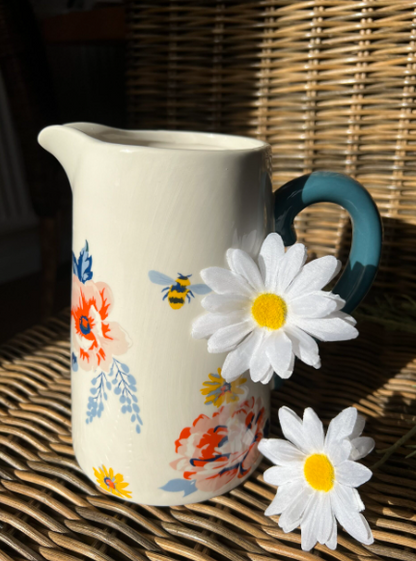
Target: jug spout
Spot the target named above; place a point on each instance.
(66, 143)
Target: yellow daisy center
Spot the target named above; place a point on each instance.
(269, 310)
(319, 472)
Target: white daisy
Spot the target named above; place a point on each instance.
(266, 315)
(316, 476)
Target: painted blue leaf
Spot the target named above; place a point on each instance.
(84, 265)
(128, 408)
(128, 401)
(178, 485)
(117, 391)
(138, 429)
(105, 396)
(124, 368)
(123, 409)
(93, 391)
(131, 379)
(108, 386)
(94, 381)
(114, 380)
(87, 421)
(122, 399)
(139, 419)
(101, 407)
(133, 388)
(99, 413)
(136, 408)
(134, 398)
(133, 418)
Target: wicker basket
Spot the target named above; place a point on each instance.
(328, 83)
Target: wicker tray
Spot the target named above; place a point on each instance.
(50, 510)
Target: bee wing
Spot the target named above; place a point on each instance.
(160, 278)
(200, 288)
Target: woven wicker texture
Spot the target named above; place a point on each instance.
(50, 510)
(330, 84)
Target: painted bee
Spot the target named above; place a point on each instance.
(179, 289)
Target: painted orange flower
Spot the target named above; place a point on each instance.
(113, 483)
(95, 339)
(215, 450)
(218, 390)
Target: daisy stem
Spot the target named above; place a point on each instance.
(392, 449)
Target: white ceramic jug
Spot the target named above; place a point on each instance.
(153, 420)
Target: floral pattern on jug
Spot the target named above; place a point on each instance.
(217, 449)
(96, 341)
(218, 391)
(112, 482)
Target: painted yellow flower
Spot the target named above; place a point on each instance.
(113, 483)
(218, 390)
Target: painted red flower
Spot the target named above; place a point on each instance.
(94, 339)
(215, 450)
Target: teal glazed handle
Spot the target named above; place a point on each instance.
(330, 187)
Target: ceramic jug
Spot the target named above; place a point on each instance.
(153, 420)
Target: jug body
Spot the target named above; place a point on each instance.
(153, 420)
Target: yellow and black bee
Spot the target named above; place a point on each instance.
(178, 290)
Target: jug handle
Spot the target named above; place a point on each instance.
(331, 187)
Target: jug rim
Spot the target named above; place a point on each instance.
(168, 140)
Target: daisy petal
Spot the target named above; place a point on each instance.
(224, 281)
(339, 451)
(260, 364)
(226, 338)
(324, 519)
(350, 496)
(268, 376)
(315, 275)
(315, 305)
(224, 303)
(304, 346)
(238, 361)
(352, 474)
(353, 522)
(341, 427)
(289, 266)
(229, 257)
(280, 354)
(283, 475)
(331, 542)
(293, 430)
(332, 328)
(361, 446)
(271, 252)
(358, 427)
(309, 522)
(280, 452)
(206, 325)
(243, 265)
(313, 429)
(284, 497)
(292, 516)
